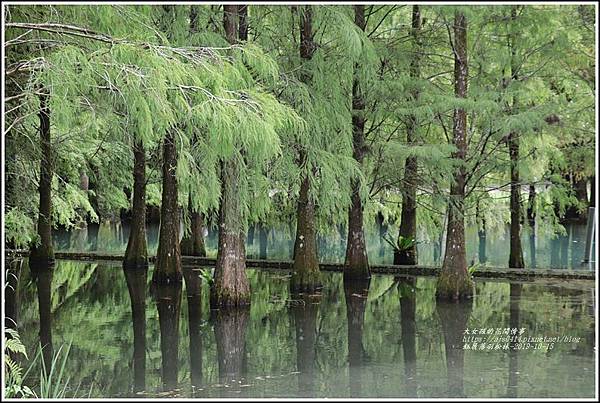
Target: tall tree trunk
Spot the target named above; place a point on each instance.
(168, 258)
(262, 241)
(407, 290)
(408, 218)
(482, 235)
(454, 282)
(305, 323)
(193, 290)
(356, 294)
(454, 319)
(168, 302)
(43, 251)
(192, 243)
(243, 22)
(136, 254)
(231, 286)
(306, 275)
(357, 260)
(136, 285)
(531, 222)
(593, 191)
(515, 259)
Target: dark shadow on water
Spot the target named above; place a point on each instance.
(193, 291)
(513, 353)
(303, 310)
(407, 292)
(136, 279)
(42, 274)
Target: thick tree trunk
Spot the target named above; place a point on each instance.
(136, 284)
(136, 254)
(407, 290)
(305, 323)
(43, 251)
(230, 287)
(356, 249)
(243, 22)
(168, 257)
(42, 273)
(193, 290)
(168, 302)
(531, 222)
(230, 334)
(306, 275)
(454, 319)
(192, 243)
(454, 282)
(408, 219)
(356, 293)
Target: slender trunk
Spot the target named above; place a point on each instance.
(454, 281)
(43, 250)
(593, 191)
(356, 293)
(305, 323)
(482, 235)
(531, 222)
(136, 254)
(356, 248)
(515, 259)
(306, 275)
(168, 302)
(168, 258)
(262, 241)
(454, 319)
(136, 284)
(193, 290)
(408, 219)
(231, 286)
(192, 243)
(407, 290)
(564, 246)
(230, 334)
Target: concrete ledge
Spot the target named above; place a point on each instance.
(487, 272)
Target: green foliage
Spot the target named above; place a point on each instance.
(13, 372)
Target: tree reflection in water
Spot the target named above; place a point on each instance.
(193, 291)
(168, 303)
(304, 308)
(136, 279)
(407, 292)
(356, 293)
(42, 273)
(230, 325)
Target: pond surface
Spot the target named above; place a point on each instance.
(386, 338)
(560, 251)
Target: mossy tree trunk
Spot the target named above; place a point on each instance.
(168, 257)
(357, 260)
(454, 319)
(43, 250)
(515, 258)
(454, 282)
(136, 254)
(306, 275)
(168, 303)
(305, 323)
(136, 285)
(408, 219)
(356, 293)
(230, 286)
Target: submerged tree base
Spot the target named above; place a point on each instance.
(454, 287)
(305, 281)
(223, 297)
(136, 263)
(162, 278)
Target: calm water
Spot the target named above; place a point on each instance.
(387, 338)
(545, 251)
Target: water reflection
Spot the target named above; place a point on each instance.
(136, 284)
(304, 308)
(513, 355)
(193, 290)
(407, 292)
(168, 303)
(230, 325)
(42, 274)
(453, 318)
(356, 293)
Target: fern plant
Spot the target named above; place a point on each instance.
(400, 244)
(13, 372)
